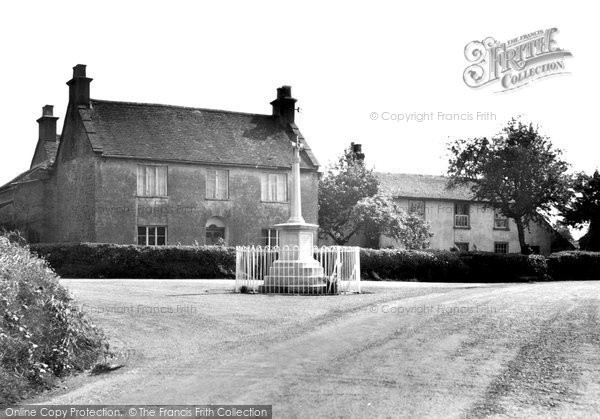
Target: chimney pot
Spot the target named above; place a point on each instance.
(79, 70)
(48, 110)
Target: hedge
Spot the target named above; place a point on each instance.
(574, 265)
(444, 266)
(91, 260)
(88, 260)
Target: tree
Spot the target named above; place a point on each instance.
(340, 188)
(349, 203)
(585, 208)
(518, 172)
(379, 214)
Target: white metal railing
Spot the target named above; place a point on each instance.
(329, 270)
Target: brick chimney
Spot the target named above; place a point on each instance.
(47, 124)
(284, 106)
(79, 87)
(357, 151)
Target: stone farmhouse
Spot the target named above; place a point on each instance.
(150, 174)
(457, 221)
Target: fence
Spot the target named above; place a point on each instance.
(331, 270)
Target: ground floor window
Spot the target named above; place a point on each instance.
(501, 247)
(270, 237)
(215, 235)
(462, 246)
(152, 235)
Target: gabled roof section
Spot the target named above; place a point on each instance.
(38, 172)
(421, 186)
(175, 133)
(45, 151)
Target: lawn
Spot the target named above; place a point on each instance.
(399, 349)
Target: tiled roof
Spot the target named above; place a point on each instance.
(164, 132)
(38, 172)
(51, 148)
(421, 186)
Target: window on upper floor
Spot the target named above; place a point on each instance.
(461, 215)
(273, 187)
(151, 180)
(500, 221)
(270, 237)
(217, 184)
(152, 235)
(500, 247)
(416, 207)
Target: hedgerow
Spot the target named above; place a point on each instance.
(574, 265)
(101, 260)
(444, 266)
(89, 260)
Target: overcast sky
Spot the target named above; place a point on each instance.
(343, 61)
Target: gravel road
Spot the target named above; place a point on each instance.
(399, 350)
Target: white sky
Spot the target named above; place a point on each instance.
(343, 61)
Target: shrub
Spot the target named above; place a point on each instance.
(511, 267)
(43, 335)
(421, 265)
(444, 266)
(89, 260)
(574, 265)
(93, 260)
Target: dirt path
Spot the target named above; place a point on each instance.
(405, 350)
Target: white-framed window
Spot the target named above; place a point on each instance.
(273, 187)
(152, 235)
(217, 184)
(417, 207)
(270, 237)
(462, 246)
(151, 180)
(500, 221)
(500, 247)
(461, 215)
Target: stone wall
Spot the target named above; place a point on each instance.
(186, 210)
(72, 195)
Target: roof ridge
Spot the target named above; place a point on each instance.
(412, 174)
(163, 105)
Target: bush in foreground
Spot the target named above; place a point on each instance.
(43, 335)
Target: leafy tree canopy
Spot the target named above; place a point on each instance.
(349, 203)
(517, 171)
(584, 208)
